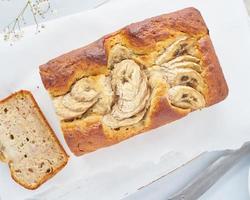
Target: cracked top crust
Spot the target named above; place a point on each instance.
(60, 73)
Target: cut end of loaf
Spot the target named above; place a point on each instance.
(27, 143)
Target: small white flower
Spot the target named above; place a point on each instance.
(38, 9)
(6, 37)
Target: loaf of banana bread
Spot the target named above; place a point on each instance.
(141, 77)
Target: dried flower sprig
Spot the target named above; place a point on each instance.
(38, 9)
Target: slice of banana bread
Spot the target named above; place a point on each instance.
(27, 142)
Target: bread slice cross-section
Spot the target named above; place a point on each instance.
(27, 142)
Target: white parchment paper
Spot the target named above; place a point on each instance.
(119, 170)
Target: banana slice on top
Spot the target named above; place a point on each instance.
(155, 75)
(105, 97)
(184, 58)
(187, 77)
(63, 112)
(82, 90)
(117, 54)
(131, 88)
(185, 64)
(78, 106)
(186, 97)
(171, 51)
(112, 122)
(185, 61)
(130, 85)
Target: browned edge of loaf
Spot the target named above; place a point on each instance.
(60, 73)
(54, 172)
(217, 86)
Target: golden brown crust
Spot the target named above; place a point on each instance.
(60, 73)
(82, 140)
(147, 33)
(213, 75)
(164, 113)
(32, 187)
(145, 39)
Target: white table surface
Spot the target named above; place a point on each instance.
(233, 186)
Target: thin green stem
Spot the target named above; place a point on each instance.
(35, 9)
(20, 14)
(34, 15)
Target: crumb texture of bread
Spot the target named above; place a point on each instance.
(27, 143)
(141, 77)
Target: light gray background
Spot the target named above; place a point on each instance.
(10, 8)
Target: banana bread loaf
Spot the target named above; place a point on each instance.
(141, 77)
